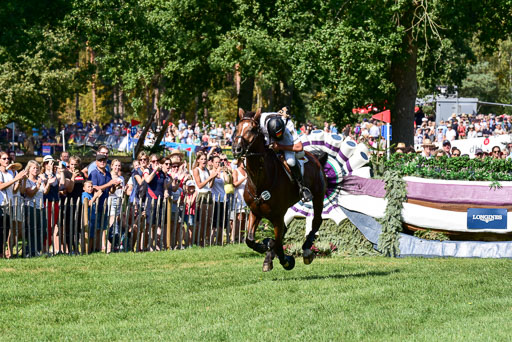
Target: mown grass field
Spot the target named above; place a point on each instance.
(220, 294)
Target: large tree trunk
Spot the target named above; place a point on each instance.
(244, 91)
(403, 75)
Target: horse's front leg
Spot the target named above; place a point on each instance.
(250, 240)
(287, 261)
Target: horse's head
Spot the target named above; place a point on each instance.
(247, 131)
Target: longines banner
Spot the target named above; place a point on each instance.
(483, 218)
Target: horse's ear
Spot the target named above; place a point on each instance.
(241, 113)
(258, 114)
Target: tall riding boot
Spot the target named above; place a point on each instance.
(304, 192)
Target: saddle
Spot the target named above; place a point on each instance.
(303, 160)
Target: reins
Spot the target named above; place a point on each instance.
(265, 194)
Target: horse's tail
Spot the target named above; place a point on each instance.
(321, 156)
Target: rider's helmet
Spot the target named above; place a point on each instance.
(275, 128)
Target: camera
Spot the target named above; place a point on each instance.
(221, 163)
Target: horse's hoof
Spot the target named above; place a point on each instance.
(268, 266)
(289, 262)
(269, 243)
(308, 256)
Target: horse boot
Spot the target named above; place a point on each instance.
(304, 192)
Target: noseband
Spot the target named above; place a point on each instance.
(246, 147)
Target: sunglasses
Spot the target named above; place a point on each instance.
(5, 158)
(167, 164)
(175, 165)
(141, 159)
(154, 161)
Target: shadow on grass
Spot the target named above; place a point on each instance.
(341, 276)
(250, 255)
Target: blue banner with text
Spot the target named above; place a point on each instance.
(484, 218)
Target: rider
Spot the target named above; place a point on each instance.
(281, 135)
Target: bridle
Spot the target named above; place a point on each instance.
(247, 146)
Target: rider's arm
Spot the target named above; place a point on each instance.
(297, 147)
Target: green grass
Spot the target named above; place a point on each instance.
(220, 294)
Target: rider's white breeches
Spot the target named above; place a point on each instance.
(290, 158)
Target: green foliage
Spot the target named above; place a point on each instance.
(461, 168)
(429, 234)
(396, 195)
(322, 57)
(344, 239)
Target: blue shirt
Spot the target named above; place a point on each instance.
(98, 179)
(156, 186)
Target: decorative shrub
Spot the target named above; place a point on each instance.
(344, 239)
(460, 168)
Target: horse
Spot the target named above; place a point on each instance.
(269, 192)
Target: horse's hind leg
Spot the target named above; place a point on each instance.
(307, 253)
(250, 241)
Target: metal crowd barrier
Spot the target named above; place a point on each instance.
(119, 226)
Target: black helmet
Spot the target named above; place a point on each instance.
(275, 127)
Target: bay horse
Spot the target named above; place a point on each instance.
(269, 192)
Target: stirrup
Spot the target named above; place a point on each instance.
(306, 194)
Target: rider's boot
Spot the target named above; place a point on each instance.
(304, 192)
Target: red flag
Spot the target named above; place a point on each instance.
(135, 122)
(383, 116)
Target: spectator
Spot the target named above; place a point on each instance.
(190, 207)
(64, 156)
(219, 198)
(156, 178)
(102, 181)
(455, 152)
(34, 188)
(9, 185)
(115, 197)
(103, 150)
(178, 177)
(55, 179)
(479, 153)
(447, 146)
(440, 153)
(239, 181)
(496, 152)
(203, 179)
(427, 148)
(70, 199)
(400, 148)
(451, 134)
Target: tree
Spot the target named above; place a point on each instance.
(37, 61)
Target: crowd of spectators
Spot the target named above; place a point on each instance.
(206, 198)
(210, 191)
